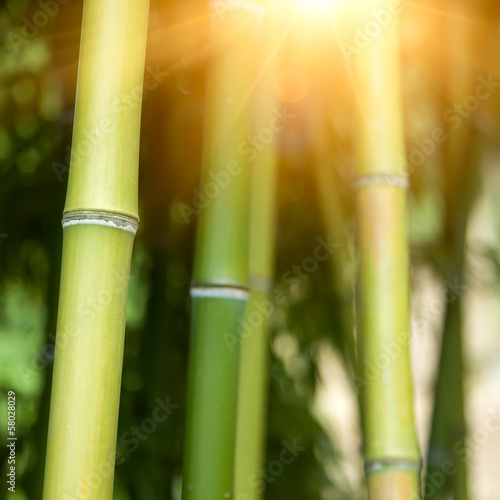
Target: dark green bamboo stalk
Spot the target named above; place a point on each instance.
(448, 420)
(447, 473)
(459, 174)
(392, 460)
(100, 220)
(253, 374)
(220, 283)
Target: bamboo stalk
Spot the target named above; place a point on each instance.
(100, 220)
(220, 283)
(253, 373)
(448, 420)
(392, 460)
(459, 182)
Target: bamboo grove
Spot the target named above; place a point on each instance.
(264, 140)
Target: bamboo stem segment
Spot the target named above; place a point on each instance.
(100, 220)
(391, 451)
(220, 281)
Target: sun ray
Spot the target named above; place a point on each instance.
(198, 19)
(350, 74)
(443, 13)
(268, 61)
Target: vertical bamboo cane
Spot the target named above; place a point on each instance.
(220, 283)
(100, 220)
(253, 374)
(392, 460)
(459, 182)
(448, 421)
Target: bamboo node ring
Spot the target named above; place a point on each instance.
(98, 218)
(392, 464)
(219, 292)
(387, 179)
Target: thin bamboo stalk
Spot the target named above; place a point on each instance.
(253, 373)
(459, 176)
(392, 460)
(460, 170)
(445, 474)
(448, 420)
(100, 220)
(220, 283)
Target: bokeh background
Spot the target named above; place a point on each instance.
(312, 398)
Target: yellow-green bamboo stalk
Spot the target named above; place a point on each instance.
(253, 372)
(220, 283)
(392, 460)
(100, 220)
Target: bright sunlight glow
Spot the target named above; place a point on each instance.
(319, 7)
